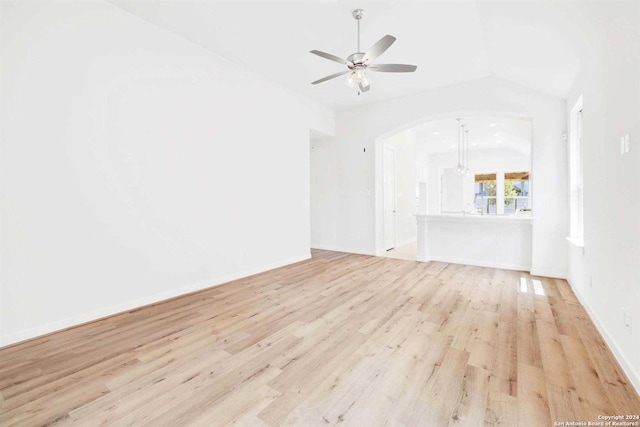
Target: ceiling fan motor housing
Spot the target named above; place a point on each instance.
(356, 60)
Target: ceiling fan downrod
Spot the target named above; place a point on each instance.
(358, 14)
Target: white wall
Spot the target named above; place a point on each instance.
(358, 193)
(137, 166)
(480, 162)
(606, 276)
(404, 144)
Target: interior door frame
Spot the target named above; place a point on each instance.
(395, 198)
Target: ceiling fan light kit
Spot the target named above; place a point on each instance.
(360, 62)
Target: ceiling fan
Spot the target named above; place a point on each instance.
(359, 62)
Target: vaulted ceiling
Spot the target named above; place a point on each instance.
(484, 133)
(531, 42)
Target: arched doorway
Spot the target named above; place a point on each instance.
(501, 143)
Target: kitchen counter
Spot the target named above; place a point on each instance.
(498, 241)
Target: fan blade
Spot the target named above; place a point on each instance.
(393, 68)
(379, 48)
(332, 57)
(332, 76)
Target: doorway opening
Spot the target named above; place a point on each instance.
(399, 195)
(390, 236)
(417, 178)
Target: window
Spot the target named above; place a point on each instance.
(575, 173)
(498, 193)
(516, 192)
(485, 200)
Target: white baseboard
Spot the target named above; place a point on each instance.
(479, 263)
(16, 337)
(358, 251)
(551, 275)
(624, 363)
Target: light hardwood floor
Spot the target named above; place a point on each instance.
(408, 252)
(338, 339)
